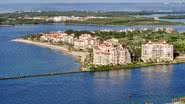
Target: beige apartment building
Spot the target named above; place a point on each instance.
(108, 53)
(157, 52)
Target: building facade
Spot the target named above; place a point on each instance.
(52, 37)
(69, 39)
(157, 52)
(85, 41)
(108, 53)
(58, 37)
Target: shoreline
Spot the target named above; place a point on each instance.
(79, 56)
(94, 24)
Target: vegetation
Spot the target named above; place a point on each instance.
(83, 13)
(33, 37)
(180, 46)
(13, 22)
(112, 67)
(123, 21)
(3, 21)
(173, 17)
(134, 39)
(114, 18)
(78, 33)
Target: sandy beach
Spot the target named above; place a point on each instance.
(80, 56)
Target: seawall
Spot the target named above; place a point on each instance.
(42, 75)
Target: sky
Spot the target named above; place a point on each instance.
(87, 1)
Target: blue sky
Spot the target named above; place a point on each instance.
(80, 1)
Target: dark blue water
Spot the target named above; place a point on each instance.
(153, 84)
(156, 84)
(23, 59)
(91, 7)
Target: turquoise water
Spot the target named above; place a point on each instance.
(157, 84)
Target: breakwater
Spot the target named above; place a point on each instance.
(41, 75)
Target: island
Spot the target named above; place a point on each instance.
(84, 17)
(115, 49)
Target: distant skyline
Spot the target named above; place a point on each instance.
(89, 1)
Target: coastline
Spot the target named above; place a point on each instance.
(95, 24)
(79, 56)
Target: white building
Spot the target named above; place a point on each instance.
(85, 41)
(52, 37)
(57, 37)
(157, 52)
(108, 53)
(68, 39)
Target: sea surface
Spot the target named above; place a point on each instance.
(158, 84)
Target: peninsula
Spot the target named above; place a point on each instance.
(115, 49)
